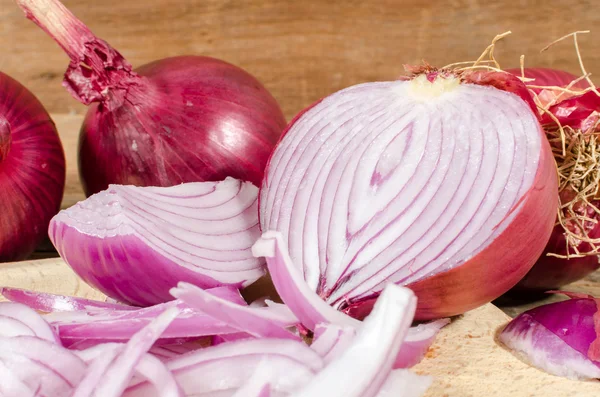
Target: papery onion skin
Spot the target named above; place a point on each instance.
(487, 275)
(548, 77)
(32, 171)
(180, 119)
(550, 271)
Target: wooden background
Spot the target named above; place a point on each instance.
(303, 49)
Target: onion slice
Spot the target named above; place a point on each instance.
(45, 302)
(227, 367)
(259, 322)
(562, 338)
(119, 239)
(29, 319)
(291, 287)
(364, 366)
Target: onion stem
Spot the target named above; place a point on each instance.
(96, 69)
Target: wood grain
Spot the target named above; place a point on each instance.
(303, 50)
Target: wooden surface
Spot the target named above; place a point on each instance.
(465, 360)
(303, 50)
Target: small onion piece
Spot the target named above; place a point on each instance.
(135, 243)
(442, 183)
(32, 170)
(175, 120)
(561, 338)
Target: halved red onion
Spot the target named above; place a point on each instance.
(444, 186)
(316, 315)
(45, 302)
(561, 338)
(259, 322)
(135, 243)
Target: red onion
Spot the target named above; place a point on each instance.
(562, 338)
(444, 183)
(135, 243)
(45, 302)
(579, 224)
(254, 321)
(182, 119)
(32, 171)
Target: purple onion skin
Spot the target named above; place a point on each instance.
(186, 119)
(32, 171)
(552, 334)
(120, 258)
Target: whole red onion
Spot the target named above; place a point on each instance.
(551, 271)
(182, 119)
(32, 170)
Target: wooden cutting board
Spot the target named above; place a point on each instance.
(465, 360)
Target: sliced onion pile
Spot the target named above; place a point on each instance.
(270, 360)
(443, 182)
(561, 338)
(135, 243)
